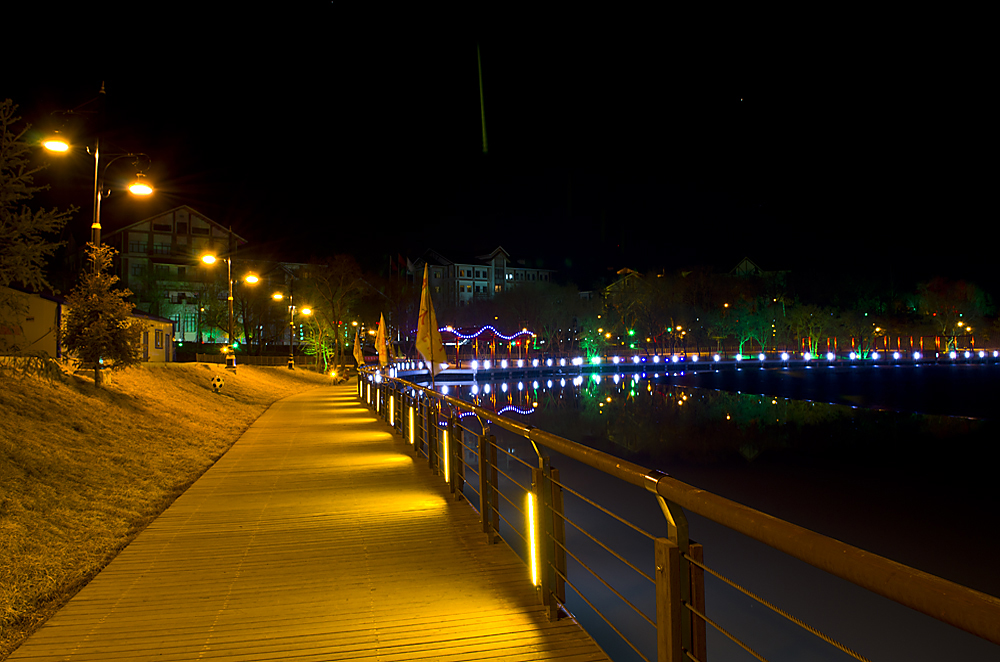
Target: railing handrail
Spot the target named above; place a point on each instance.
(960, 606)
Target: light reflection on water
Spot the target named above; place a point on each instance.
(645, 419)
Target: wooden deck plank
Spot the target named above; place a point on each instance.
(317, 537)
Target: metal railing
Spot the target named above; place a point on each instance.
(522, 504)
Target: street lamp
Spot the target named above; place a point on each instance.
(278, 296)
(251, 279)
(140, 186)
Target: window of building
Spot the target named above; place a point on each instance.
(437, 273)
(161, 227)
(497, 288)
(182, 228)
(138, 269)
(161, 249)
(163, 269)
(137, 247)
(195, 230)
(181, 271)
(159, 339)
(437, 289)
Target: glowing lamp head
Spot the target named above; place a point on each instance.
(307, 311)
(830, 356)
(208, 259)
(716, 358)
(916, 356)
(277, 296)
(251, 278)
(762, 356)
(56, 144)
(784, 356)
(952, 355)
(853, 356)
(140, 186)
(807, 356)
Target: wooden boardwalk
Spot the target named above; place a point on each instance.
(316, 537)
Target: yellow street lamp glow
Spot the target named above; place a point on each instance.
(251, 278)
(56, 144)
(531, 539)
(140, 186)
(277, 296)
(307, 311)
(208, 259)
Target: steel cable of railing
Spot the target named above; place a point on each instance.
(603, 546)
(606, 511)
(606, 584)
(777, 610)
(602, 616)
(723, 630)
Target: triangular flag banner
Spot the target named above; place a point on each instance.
(358, 355)
(428, 337)
(383, 356)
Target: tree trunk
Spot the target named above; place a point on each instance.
(98, 378)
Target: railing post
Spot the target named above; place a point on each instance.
(559, 536)
(448, 453)
(457, 445)
(668, 601)
(431, 437)
(485, 499)
(544, 542)
(699, 644)
(494, 491)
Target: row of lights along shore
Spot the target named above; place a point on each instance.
(785, 357)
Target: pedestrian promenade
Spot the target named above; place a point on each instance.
(316, 537)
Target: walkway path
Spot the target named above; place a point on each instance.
(316, 537)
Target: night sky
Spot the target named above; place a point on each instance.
(646, 142)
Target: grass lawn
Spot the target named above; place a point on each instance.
(84, 470)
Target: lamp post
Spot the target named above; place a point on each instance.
(251, 279)
(140, 186)
(278, 296)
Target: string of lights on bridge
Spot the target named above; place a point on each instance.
(488, 327)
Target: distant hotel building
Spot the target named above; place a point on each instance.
(481, 277)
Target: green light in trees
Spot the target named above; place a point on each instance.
(631, 332)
